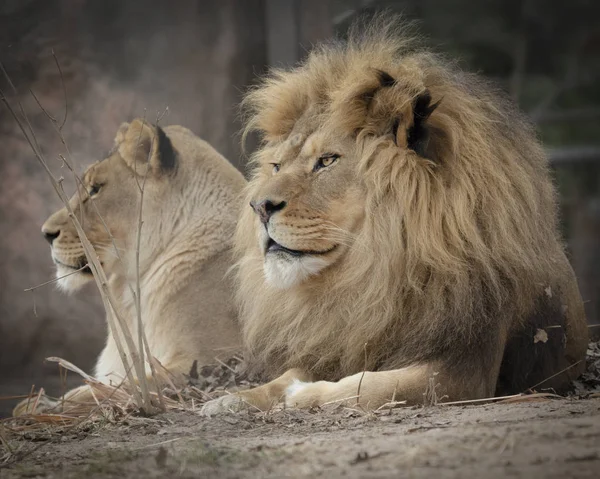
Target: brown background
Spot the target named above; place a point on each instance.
(118, 59)
(123, 58)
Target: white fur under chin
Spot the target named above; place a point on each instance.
(72, 282)
(283, 272)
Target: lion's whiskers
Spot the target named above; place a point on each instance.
(112, 250)
(342, 236)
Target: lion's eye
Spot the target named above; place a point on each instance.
(276, 167)
(325, 160)
(95, 189)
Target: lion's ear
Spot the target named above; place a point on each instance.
(412, 131)
(144, 145)
(120, 136)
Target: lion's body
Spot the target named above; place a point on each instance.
(191, 197)
(435, 226)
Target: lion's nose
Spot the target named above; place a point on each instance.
(50, 235)
(265, 209)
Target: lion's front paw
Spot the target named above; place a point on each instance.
(224, 404)
(35, 405)
(303, 395)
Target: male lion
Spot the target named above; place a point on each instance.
(405, 236)
(190, 207)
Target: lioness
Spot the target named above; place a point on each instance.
(191, 197)
(401, 241)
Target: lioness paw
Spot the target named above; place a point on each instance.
(225, 404)
(34, 405)
(301, 394)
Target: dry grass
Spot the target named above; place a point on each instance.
(132, 357)
(113, 405)
(136, 395)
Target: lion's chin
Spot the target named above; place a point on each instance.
(70, 283)
(284, 271)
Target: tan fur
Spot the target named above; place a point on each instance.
(190, 209)
(443, 260)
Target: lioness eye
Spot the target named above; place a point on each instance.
(276, 167)
(95, 189)
(325, 160)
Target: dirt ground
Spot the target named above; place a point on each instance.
(549, 438)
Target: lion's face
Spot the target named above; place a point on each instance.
(308, 203)
(106, 204)
(108, 189)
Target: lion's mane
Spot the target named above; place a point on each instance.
(452, 249)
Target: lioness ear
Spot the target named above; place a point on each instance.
(144, 145)
(121, 133)
(413, 132)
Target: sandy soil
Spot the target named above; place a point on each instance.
(550, 438)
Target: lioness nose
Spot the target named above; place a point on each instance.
(50, 235)
(265, 209)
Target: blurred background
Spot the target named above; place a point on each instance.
(121, 58)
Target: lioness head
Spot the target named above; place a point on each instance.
(107, 202)
(183, 180)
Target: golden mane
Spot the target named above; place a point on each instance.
(453, 248)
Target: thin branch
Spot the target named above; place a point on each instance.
(160, 116)
(362, 375)
(62, 81)
(482, 400)
(90, 254)
(72, 426)
(336, 401)
(142, 381)
(554, 375)
(137, 356)
(138, 294)
(573, 114)
(131, 289)
(519, 54)
(4, 441)
(516, 79)
(25, 118)
(568, 82)
(56, 279)
(66, 147)
(142, 339)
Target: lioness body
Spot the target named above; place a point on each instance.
(190, 207)
(405, 225)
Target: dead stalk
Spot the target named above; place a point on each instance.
(554, 375)
(362, 376)
(142, 340)
(390, 405)
(56, 279)
(143, 400)
(62, 82)
(134, 295)
(58, 130)
(138, 294)
(336, 401)
(4, 441)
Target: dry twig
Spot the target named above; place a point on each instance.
(91, 257)
(362, 376)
